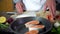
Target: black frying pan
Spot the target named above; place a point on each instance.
(18, 26)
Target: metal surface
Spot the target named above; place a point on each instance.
(18, 26)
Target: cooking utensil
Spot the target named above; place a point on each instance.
(18, 26)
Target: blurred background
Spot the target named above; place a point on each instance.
(6, 5)
(9, 5)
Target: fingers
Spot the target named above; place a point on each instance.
(45, 7)
(19, 8)
(51, 11)
(54, 9)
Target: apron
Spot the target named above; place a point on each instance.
(34, 5)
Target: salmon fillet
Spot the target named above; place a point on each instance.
(32, 32)
(31, 23)
(38, 26)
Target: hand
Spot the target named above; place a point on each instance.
(19, 7)
(52, 7)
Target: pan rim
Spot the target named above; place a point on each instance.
(33, 17)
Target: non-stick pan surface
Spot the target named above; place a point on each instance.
(18, 26)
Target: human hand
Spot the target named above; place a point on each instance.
(52, 7)
(19, 8)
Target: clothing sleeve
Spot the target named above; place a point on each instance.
(15, 1)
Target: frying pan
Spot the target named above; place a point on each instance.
(18, 26)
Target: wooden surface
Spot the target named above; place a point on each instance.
(6, 5)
